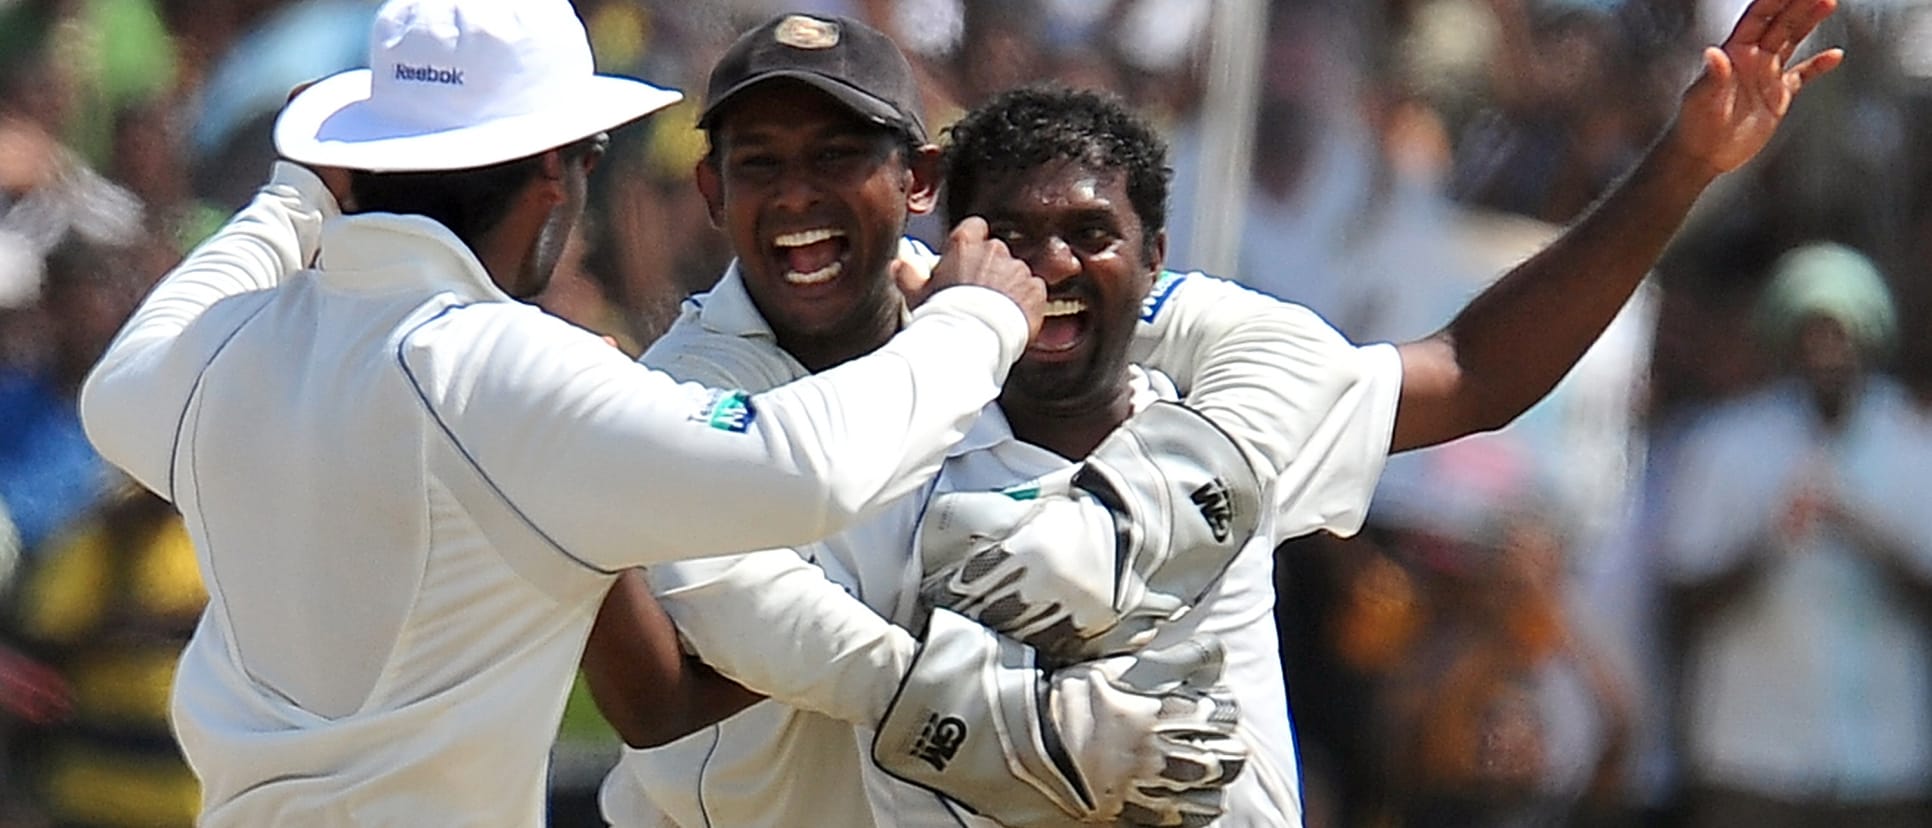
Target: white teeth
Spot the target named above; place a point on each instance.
(1064, 307)
(823, 274)
(805, 237)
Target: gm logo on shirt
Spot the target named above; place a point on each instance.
(939, 740)
(727, 411)
(429, 74)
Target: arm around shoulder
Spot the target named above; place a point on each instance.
(660, 470)
(774, 622)
(649, 691)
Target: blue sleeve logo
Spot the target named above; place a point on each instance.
(727, 411)
(1164, 285)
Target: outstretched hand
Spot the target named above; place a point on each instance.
(1747, 86)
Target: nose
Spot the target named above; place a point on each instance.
(794, 189)
(1053, 261)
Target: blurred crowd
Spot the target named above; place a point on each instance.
(1691, 588)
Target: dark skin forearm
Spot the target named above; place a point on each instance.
(1510, 346)
(649, 691)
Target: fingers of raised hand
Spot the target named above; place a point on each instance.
(1777, 26)
(1795, 23)
(1812, 67)
(973, 257)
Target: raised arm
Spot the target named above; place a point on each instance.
(151, 366)
(1514, 341)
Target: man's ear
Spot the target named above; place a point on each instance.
(709, 186)
(550, 184)
(922, 193)
(1157, 254)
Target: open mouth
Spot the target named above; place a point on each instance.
(1064, 326)
(811, 257)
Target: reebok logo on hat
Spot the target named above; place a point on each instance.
(429, 74)
(459, 85)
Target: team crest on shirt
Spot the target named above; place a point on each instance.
(1164, 285)
(726, 411)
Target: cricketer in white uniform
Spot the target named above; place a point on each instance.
(816, 630)
(409, 492)
(779, 626)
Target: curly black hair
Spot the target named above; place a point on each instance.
(1032, 126)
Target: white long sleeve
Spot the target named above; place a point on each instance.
(140, 374)
(773, 622)
(622, 466)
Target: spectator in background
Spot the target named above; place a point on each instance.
(49, 474)
(1506, 713)
(1005, 49)
(1796, 535)
(51, 480)
(109, 606)
(48, 195)
(1556, 132)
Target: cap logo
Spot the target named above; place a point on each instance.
(801, 32)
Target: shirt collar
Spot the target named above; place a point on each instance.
(992, 430)
(727, 308)
(404, 248)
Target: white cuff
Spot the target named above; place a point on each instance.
(996, 309)
(307, 186)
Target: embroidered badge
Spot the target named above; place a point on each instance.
(727, 411)
(801, 32)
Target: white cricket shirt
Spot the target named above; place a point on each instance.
(818, 639)
(407, 493)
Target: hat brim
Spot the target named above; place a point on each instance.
(332, 124)
(867, 105)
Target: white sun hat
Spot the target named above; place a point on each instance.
(458, 84)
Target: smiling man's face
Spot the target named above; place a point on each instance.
(814, 200)
(1076, 229)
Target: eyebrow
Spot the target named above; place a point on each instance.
(834, 132)
(1007, 212)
